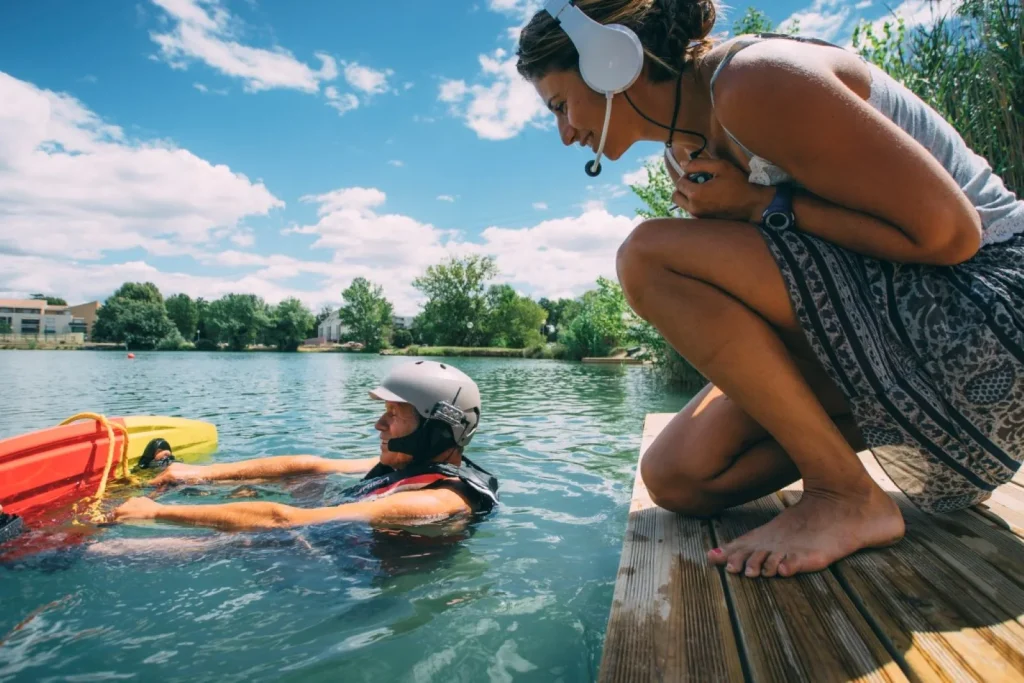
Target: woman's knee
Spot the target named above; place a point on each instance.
(680, 495)
(640, 256)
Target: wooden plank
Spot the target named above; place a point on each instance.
(669, 618)
(1010, 517)
(953, 615)
(804, 628)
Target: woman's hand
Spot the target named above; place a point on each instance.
(728, 195)
(180, 473)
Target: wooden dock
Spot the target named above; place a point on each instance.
(944, 604)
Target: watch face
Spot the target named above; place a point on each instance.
(777, 220)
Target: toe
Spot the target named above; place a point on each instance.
(737, 558)
(771, 565)
(717, 556)
(754, 563)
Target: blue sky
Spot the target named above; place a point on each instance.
(284, 148)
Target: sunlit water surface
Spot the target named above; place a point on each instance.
(522, 595)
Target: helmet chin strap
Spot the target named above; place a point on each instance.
(431, 439)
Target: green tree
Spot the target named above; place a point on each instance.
(184, 313)
(50, 300)
(133, 315)
(560, 311)
(756, 21)
(290, 324)
(657, 193)
(512, 321)
(456, 303)
(5, 326)
(366, 313)
(401, 338)
(601, 324)
(237, 320)
(969, 66)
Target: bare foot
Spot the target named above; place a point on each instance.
(822, 528)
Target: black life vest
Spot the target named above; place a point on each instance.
(383, 481)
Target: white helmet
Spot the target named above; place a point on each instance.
(437, 391)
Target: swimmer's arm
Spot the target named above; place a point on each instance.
(266, 468)
(872, 188)
(404, 507)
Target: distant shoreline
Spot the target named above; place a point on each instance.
(547, 352)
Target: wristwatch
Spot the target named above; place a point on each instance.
(779, 214)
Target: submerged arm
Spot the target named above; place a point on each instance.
(265, 468)
(404, 507)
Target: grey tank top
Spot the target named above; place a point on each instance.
(1001, 212)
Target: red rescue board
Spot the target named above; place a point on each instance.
(55, 465)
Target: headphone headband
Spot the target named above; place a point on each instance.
(611, 55)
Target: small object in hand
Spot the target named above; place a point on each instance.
(699, 177)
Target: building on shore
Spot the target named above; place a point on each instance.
(402, 322)
(331, 329)
(36, 318)
(88, 313)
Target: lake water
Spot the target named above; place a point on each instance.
(523, 595)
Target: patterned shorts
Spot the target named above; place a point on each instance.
(930, 358)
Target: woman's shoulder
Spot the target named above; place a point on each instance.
(774, 60)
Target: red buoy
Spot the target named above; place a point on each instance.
(131, 355)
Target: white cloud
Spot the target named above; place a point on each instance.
(73, 185)
(918, 13)
(206, 90)
(407, 85)
(396, 163)
(204, 32)
(823, 19)
(500, 108)
(80, 282)
(368, 80)
(521, 9)
(445, 198)
(452, 91)
(639, 176)
(540, 206)
(390, 249)
(342, 102)
(834, 20)
(243, 238)
(560, 257)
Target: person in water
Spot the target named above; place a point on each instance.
(431, 412)
(851, 275)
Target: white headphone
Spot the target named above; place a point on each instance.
(611, 58)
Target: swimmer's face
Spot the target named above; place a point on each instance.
(399, 419)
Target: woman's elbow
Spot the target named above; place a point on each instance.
(955, 242)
